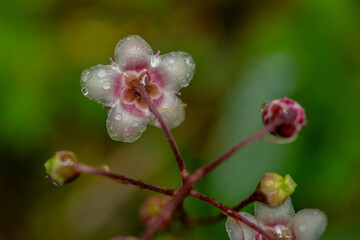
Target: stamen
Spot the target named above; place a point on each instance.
(112, 62)
(143, 79)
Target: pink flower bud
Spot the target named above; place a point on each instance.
(283, 117)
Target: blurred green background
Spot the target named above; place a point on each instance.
(246, 52)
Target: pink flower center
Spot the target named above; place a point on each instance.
(129, 94)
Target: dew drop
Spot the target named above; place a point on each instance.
(135, 124)
(188, 61)
(302, 228)
(126, 129)
(101, 73)
(184, 83)
(106, 85)
(142, 127)
(84, 91)
(126, 137)
(118, 117)
(171, 61)
(85, 75)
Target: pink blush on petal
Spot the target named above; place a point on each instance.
(131, 108)
(118, 86)
(138, 67)
(158, 101)
(157, 78)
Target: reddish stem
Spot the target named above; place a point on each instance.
(82, 168)
(161, 219)
(230, 212)
(245, 202)
(200, 173)
(140, 88)
(241, 205)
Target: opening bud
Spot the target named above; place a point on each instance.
(60, 168)
(273, 189)
(152, 207)
(283, 117)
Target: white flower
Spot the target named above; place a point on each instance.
(281, 222)
(113, 86)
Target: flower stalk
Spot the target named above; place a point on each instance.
(85, 169)
(140, 88)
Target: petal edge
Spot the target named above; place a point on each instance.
(133, 53)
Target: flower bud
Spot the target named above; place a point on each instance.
(60, 168)
(152, 207)
(289, 115)
(273, 189)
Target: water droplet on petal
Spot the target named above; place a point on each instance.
(142, 127)
(118, 117)
(171, 61)
(85, 75)
(84, 91)
(188, 61)
(106, 85)
(126, 129)
(184, 83)
(101, 73)
(126, 137)
(135, 124)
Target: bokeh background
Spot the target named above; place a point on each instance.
(246, 53)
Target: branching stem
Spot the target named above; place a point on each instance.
(85, 169)
(140, 88)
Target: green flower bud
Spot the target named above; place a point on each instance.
(273, 189)
(60, 168)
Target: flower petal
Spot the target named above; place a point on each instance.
(309, 224)
(125, 126)
(174, 71)
(98, 83)
(133, 53)
(238, 230)
(269, 216)
(171, 109)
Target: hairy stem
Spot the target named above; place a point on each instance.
(85, 169)
(140, 88)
